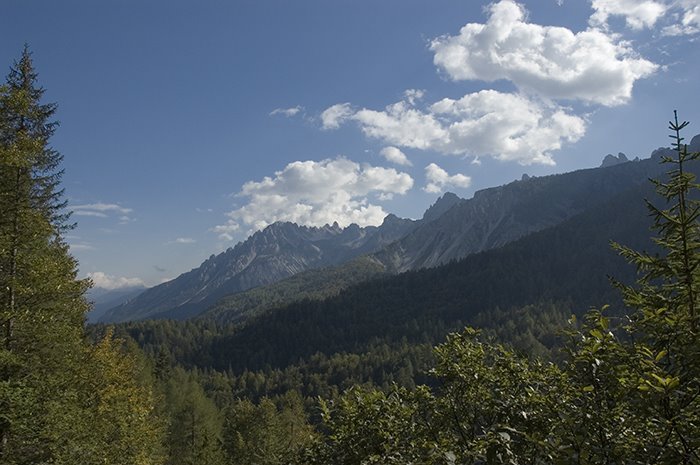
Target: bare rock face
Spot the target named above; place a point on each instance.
(277, 252)
(499, 215)
(694, 145)
(612, 160)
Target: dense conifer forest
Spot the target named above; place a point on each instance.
(529, 353)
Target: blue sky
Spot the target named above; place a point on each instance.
(185, 126)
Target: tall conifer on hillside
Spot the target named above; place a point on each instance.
(62, 401)
(41, 302)
(666, 319)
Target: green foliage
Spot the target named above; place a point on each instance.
(123, 426)
(628, 392)
(195, 432)
(62, 401)
(266, 434)
(41, 303)
(371, 426)
(489, 406)
(662, 358)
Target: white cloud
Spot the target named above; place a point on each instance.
(403, 125)
(394, 155)
(226, 231)
(288, 112)
(508, 127)
(182, 240)
(689, 17)
(638, 14)
(334, 116)
(81, 246)
(105, 281)
(100, 208)
(316, 193)
(438, 179)
(413, 95)
(89, 213)
(103, 210)
(552, 62)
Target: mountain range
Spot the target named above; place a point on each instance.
(256, 273)
(279, 251)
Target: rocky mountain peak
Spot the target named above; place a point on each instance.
(441, 205)
(694, 145)
(612, 160)
(280, 250)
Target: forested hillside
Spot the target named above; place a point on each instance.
(567, 263)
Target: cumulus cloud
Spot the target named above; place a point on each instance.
(438, 179)
(552, 62)
(335, 115)
(288, 112)
(413, 95)
(401, 124)
(105, 281)
(226, 231)
(396, 156)
(689, 18)
(508, 127)
(316, 193)
(638, 14)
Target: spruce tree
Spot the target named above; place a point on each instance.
(41, 301)
(62, 400)
(664, 324)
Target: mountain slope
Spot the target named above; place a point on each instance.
(277, 252)
(314, 284)
(499, 215)
(318, 283)
(454, 228)
(567, 263)
(103, 300)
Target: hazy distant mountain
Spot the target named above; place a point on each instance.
(316, 284)
(322, 283)
(105, 299)
(277, 252)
